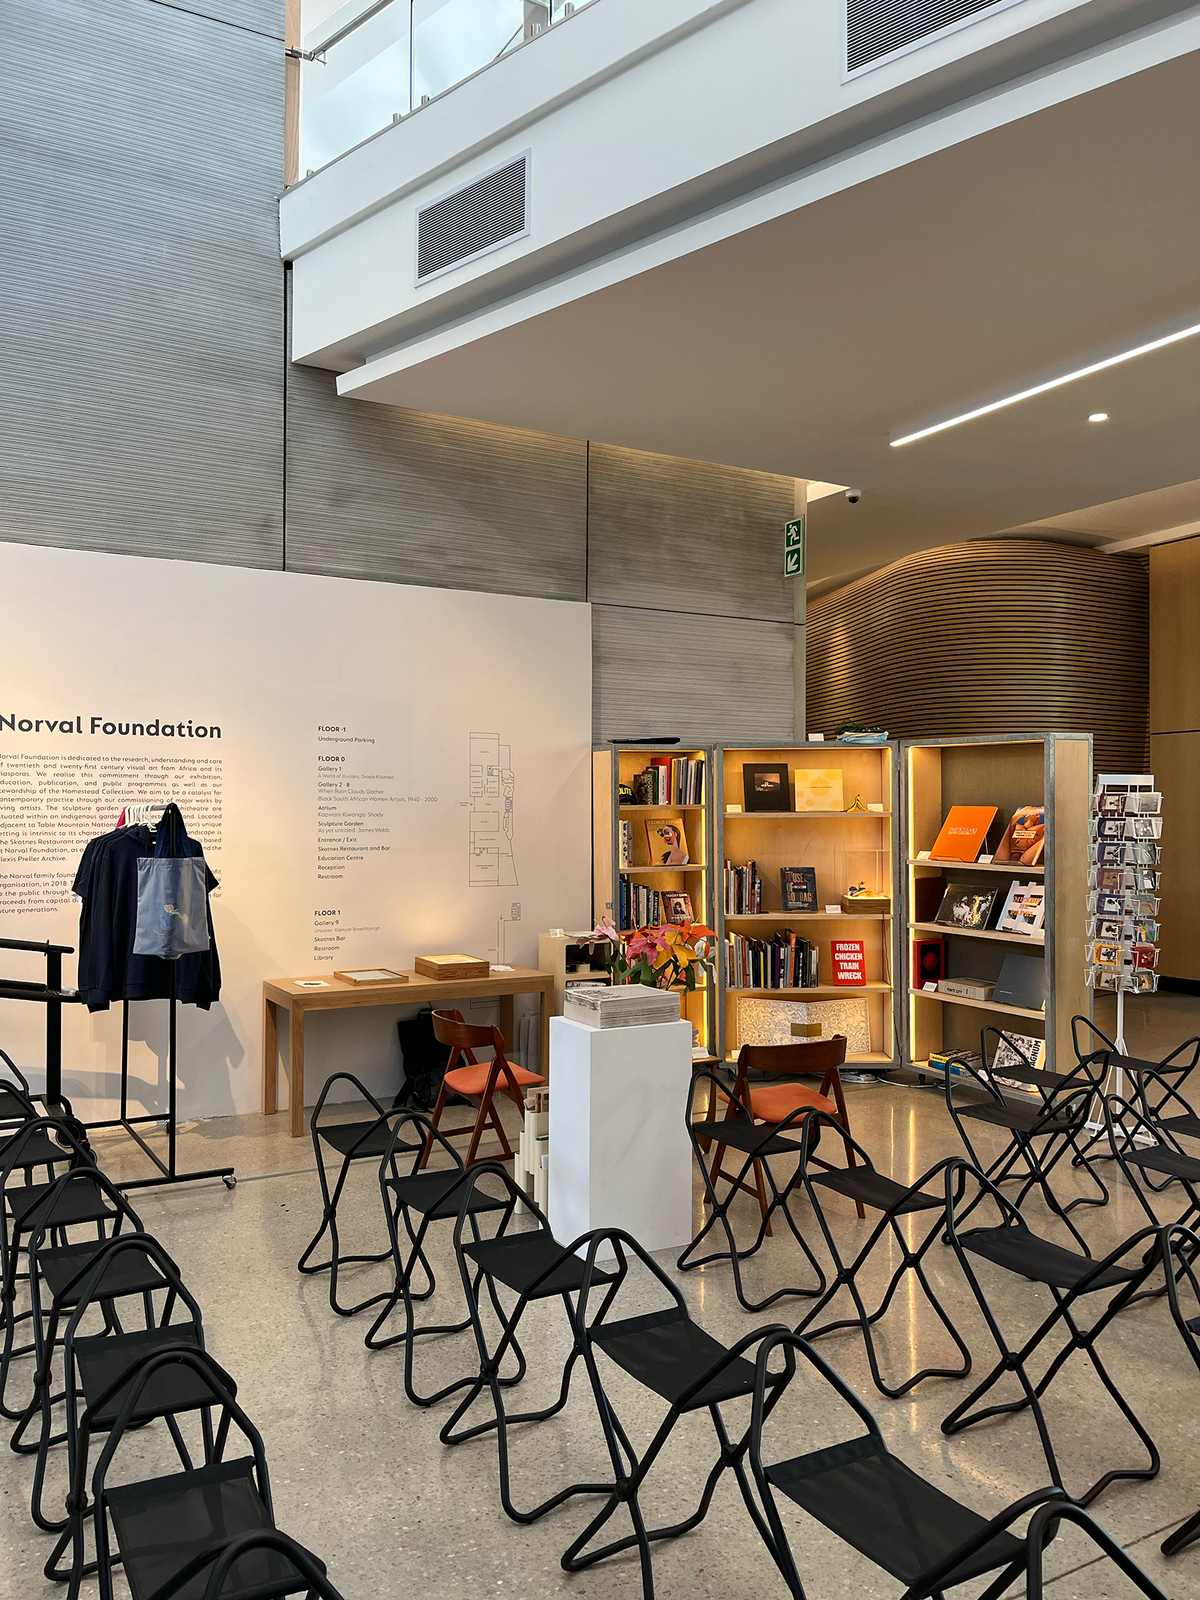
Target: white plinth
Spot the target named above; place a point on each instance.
(620, 1156)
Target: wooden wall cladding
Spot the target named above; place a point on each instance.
(1175, 746)
(986, 637)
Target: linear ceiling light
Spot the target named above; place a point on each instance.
(1171, 333)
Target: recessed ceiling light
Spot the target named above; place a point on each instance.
(1098, 416)
(1157, 339)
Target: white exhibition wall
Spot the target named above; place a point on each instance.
(375, 772)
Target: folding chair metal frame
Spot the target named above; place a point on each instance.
(1014, 1247)
(1060, 1121)
(865, 1185)
(905, 1532)
(758, 1142)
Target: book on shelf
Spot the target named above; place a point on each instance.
(819, 789)
(670, 781)
(966, 906)
(784, 961)
(1024, 910)
(742, 890)
(626, 843)
(639, 907)
(798, 888)
(1022, 982)
(1024, 839)
(964, 833)
(666, 838)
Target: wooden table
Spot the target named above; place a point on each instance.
(287, 994)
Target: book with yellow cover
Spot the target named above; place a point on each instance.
(964, 833)
(819, 789)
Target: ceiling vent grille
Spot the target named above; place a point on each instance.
(876, 29)
(474, 219)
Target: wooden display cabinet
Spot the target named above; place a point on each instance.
(1005, 770)
(612, 766)
(844, 847)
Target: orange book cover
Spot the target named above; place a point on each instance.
(964, 833)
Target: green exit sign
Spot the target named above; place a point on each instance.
(793, 548)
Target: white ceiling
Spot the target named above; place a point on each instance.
(799, 346)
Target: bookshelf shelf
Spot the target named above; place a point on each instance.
(614, 886)
(842, 848)
(808, 816)
(1006, 771)
(806, 916)
(992, 934)
(642, 810)
(1013, 868)
(977, 1005)
(845, 991)
(639, 872)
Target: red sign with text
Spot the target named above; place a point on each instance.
(849, 961)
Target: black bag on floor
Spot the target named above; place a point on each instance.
(422, 1061)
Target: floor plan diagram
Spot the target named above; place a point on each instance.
(491, 812)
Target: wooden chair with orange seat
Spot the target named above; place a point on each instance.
(478, 1082)
(773, 1102)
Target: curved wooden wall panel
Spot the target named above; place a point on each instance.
(994, 636)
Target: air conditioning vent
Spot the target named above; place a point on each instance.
(473, 220)
(876, 29)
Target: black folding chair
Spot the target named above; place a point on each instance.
(430, 1196)
(533, 1265)
(56, 1276)
(1040, 1134)
(879, 1506)
(49, 1142)
(868, 1187)
(98, 1366)
(234, 1556)
(170, 1531)
(1146, 1149)
(1069, 1277)
(673, 1357)
(364, 1140)
(758, 1144)
(1140, 1076)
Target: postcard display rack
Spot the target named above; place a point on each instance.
(1123, 888)
(1020, 775)
(671, 814)
(789, 853)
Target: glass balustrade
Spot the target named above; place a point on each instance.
(368, 63)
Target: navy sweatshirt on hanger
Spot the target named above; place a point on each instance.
(107, 883)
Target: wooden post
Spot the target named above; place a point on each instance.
(291, 96)
(270, 1094)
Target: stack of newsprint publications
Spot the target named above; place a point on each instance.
(625, 1006)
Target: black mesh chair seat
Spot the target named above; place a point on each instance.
(666, 1351)
(344, 1137)
(739, 1133)
(161, 1524)
(1186, 1126)
(36, 1150)
(875, 1503)
(1021, 1118)
(127, 1273)
(1041, 1261)
(1161, 1158)
(873, 1189)
(427, 1193)
(12, 1107)
(516, 1259)
(102, 1359)
(77, 1203)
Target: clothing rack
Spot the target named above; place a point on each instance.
(168, 1172)
(53, 996)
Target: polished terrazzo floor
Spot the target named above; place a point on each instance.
(359, 1476)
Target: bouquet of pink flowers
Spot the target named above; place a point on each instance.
(667, 956)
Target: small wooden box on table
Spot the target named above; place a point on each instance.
(337, 995)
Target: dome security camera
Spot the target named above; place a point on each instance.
(853, 496)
